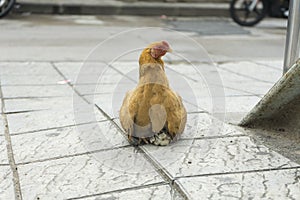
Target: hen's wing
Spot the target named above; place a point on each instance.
(128, 112)
(176, 113)
(126, 115)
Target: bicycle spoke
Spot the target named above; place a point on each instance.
(247, 13)
(257, 12)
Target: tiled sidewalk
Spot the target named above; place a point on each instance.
(64, 151)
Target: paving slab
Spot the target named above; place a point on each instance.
(55, 104)
(228, 75)
(253, 70)
(233, 104)
(83, 175)
(242, 76)
(212, 156)
(276, 184)
(91, 73)
(13, 80)
(3, 151)
(73, 68)
(43, 120)
(35, 91)
(67, 141)
(240, 104)
(81, 72)
(202, 125)
(107, 103)
(110, 81)
(118, 88)
(26, 68)
(206, 80)
(6, 183)
(152, 192)
(1, 125)
(251, 87)
(237, 79)
(199, 91)
(273, 64)
(58, 113)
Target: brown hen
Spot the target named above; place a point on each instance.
(152, 112)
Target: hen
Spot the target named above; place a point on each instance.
(152, 112)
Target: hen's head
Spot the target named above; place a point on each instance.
(151, 56)
(159, 49)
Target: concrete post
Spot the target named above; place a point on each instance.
(292, 44)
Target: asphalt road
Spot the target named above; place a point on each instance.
(58, 38)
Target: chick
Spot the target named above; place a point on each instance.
(152, 112)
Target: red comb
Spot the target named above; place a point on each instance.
(165, 43)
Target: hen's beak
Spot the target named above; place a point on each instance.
(170, 50)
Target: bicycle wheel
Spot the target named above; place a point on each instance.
(6, 6)
(248, 12)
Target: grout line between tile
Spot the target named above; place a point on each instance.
(120, 190)
(10, 154)
(216, 137)
(52, 128)
(240, 172)
(4, 165)
(245, 76)
(73, 155)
